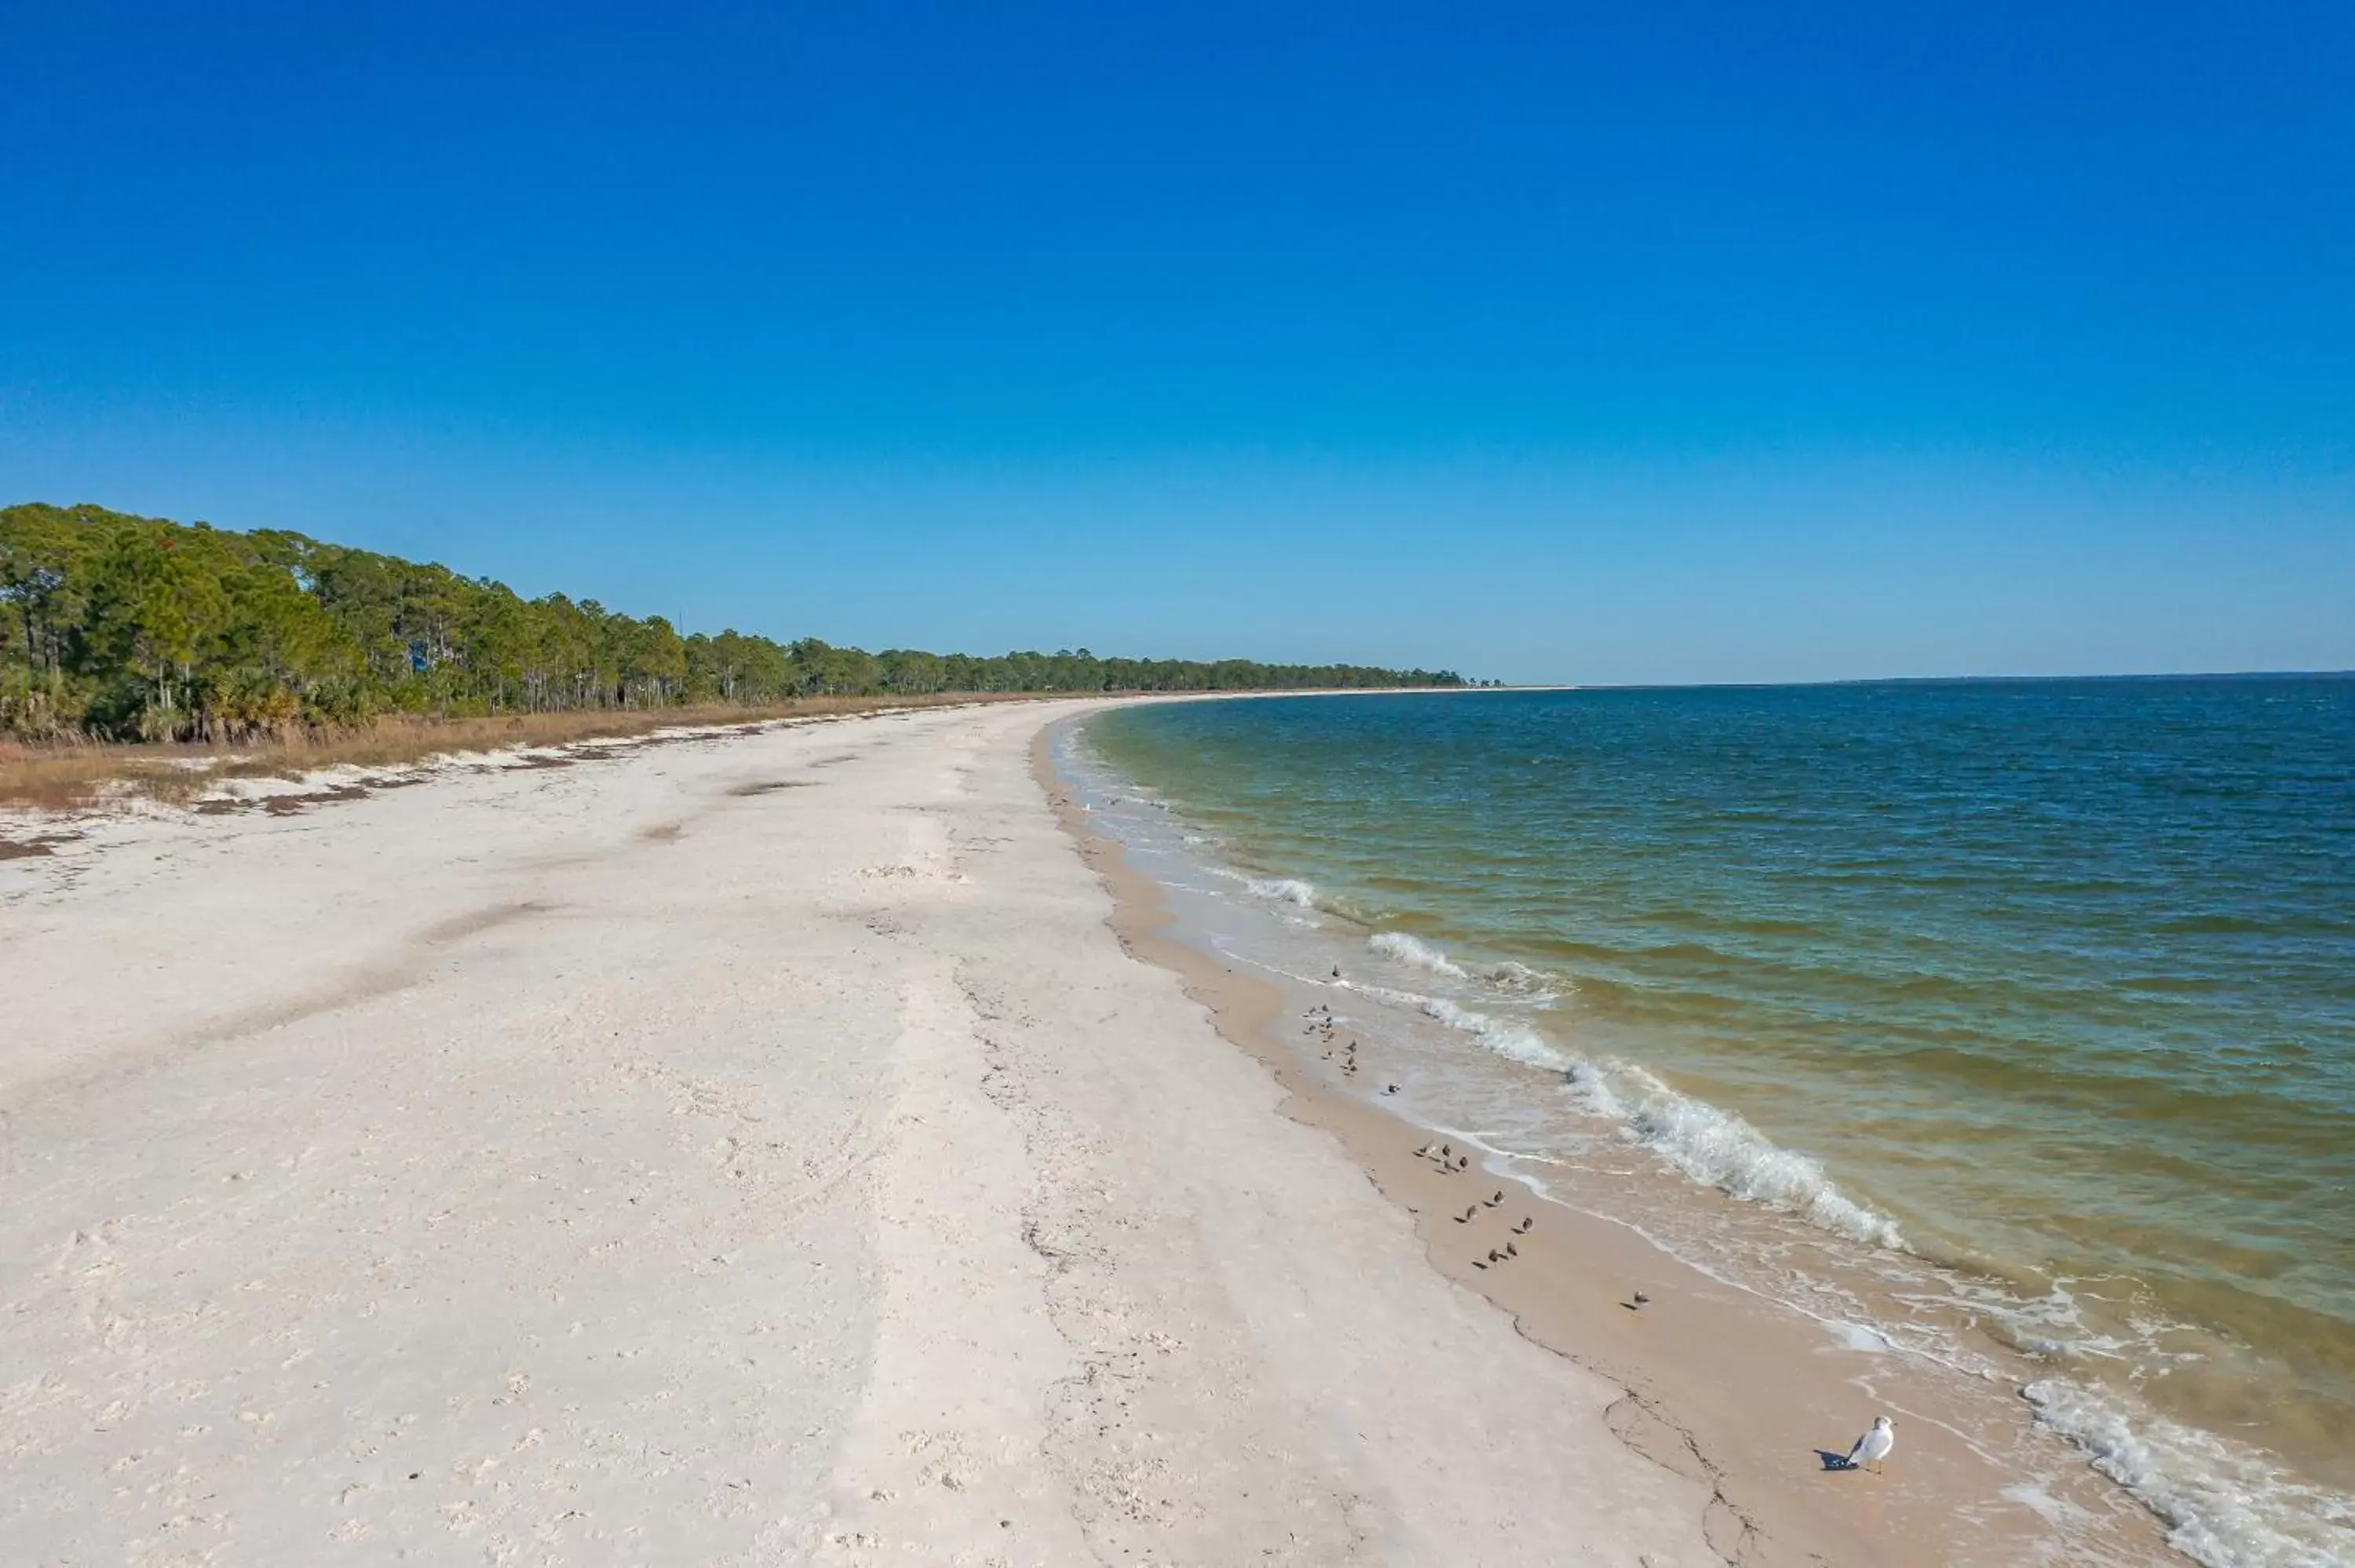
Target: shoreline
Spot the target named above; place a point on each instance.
(749, 1152)
(1720, 1385)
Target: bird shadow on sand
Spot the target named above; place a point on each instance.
(1835, 1461)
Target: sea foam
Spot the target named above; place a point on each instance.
(1283, 890)
(1709, 1145)
(1518, 982)
(1719, 1149)
(1515, 1042)
(2225, 1505)
(1522, 981)
(1400, 947)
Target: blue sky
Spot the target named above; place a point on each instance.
(1654, 342)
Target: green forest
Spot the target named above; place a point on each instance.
(122, 628)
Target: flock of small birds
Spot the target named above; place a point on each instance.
(1322, 1025)
(1451, 1163)
(1871, 1448)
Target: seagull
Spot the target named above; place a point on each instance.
(1874, 1445)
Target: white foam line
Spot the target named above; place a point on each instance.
(1400, 947)
(2221, 1501)
(1221, 943)
(1710, 1147)
(2212, 1494)
(1283, 890)
(1840, 1326)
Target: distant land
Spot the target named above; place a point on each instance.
(2145, 676)
(126, 628)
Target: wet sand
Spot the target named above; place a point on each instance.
(1716, 1386)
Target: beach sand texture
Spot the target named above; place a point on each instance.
(756, 1149)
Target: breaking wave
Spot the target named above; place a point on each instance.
(1717, 1148)
(1515, 1042)
(1519, 981)
(1283, 890)
(1400, 947)
(1712, 1146)
(1274, 889)
(2225, 1505)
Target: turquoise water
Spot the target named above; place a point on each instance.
(2052, 981)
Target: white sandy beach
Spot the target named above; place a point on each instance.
(757, 1150)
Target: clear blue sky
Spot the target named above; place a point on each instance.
(1619, 342)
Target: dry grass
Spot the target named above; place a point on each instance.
(74, 777)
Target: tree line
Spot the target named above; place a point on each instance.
(127, 628)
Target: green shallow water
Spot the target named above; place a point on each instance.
(2061, 975)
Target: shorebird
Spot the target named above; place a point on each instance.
(1512, 1251)
(1463, 1162)
(1874, 1445)
(1467, 1214)
(1642, 1300)
(1447, 1151)
(1523, 1228)
(1496, 1198)
(1496, 1257)
(1424, 1154)
(1391, 1090)
(1336, 972)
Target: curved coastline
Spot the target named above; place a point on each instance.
(2061, 1289)
(1720, 1380)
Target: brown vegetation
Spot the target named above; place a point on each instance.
(72, 776)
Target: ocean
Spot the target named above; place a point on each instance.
(2032, 1001)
